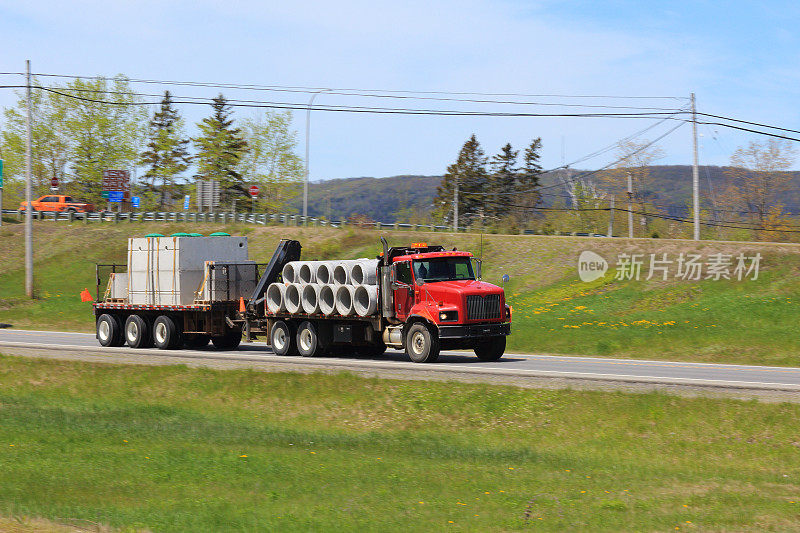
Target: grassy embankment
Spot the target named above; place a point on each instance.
(178, 449)
(720, 321)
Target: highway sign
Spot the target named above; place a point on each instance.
(186, 202)
(1, 173)
(254, 190)
(207, 194)
(54, 183)
(117, 181)
(115, 196)
(136, 201)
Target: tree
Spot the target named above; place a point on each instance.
(166, 155)
(469, 174)
(271, 160)
(757, 182)
(220, 148)
(504, 182)
(527, 185)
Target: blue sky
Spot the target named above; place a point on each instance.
(741, 58)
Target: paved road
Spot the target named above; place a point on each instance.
(512, 368)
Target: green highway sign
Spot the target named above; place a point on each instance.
(1, 172)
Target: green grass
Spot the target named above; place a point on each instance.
(716, 321)
(178, 449)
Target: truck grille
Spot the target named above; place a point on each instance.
(480, 308)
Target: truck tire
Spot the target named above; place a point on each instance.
(281, 339)
(422, 345)
(229, 341)
(491, 350)
(308, 340)
(109, 331)
(166, 335)
(137, 334)
(193, 341)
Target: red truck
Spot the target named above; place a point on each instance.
(56, 203)
(420, 298)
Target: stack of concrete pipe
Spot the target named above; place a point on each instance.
(343, 288)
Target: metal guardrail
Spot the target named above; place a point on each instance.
(225, 218)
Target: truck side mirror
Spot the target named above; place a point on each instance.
(478, 264)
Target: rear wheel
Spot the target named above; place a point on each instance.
(109, 331)
(491, 350)
(137, 334)
(281, 339)
(165, 333)
(229, 341)
(308, 341)
(422, 345)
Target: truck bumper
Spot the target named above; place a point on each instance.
(473, 331)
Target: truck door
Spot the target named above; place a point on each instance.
(403, 290)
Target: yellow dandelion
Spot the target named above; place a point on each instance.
(242, 456)
(314, 452)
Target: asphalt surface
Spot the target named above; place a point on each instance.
(512, 368)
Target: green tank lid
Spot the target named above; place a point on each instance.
(195, 235)
(219, 234)
(180, 234)
(154, 235)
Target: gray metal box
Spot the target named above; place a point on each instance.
(226, 281)
(170, 270)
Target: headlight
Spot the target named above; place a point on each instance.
(509, 310)
(448, 316)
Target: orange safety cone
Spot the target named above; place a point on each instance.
(86, 296)
(241, 304)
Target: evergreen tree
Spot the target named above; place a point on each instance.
(527, 183)
(220, 147)
(166, 155)
(469, 173)
(502, 181)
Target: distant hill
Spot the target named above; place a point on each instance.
(382, 198)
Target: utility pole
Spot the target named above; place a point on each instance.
(630, 206)
(28, 207)
(455, 207)
(695, 175)
(611, 219)
(308, 137)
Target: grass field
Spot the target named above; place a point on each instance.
(707, 320)
(178, 449)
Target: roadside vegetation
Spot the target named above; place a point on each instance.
(170, 448)
(749, 321)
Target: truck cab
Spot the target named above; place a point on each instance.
(439, 298)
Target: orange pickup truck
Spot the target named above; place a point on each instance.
(63, 204)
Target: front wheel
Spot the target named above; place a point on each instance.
(491, 350)
(422, 344)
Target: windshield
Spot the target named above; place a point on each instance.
(444, 269)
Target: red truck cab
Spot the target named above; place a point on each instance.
(442, 291)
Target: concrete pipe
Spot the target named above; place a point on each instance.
(291, 297)
(365, 300)
(307, 272)
(341, 274)
(324, 272)
(344, 299)
(309, 298)
(290, 272)
(327, 299)
(364, 273)
(275, 298)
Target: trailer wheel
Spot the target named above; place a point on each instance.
(109, 331)
(491, 350)
(308, 341)
(194, 341)
(281, 339)
(422, 345)
(165, 333)
(137, 334)
(229, 341)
